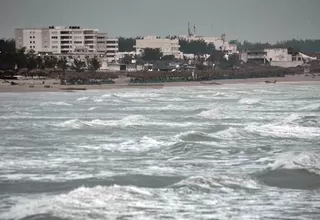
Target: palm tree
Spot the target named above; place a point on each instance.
(50, 62)
(78, 65)
(94, 65)
(62, 63)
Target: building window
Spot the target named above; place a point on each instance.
(30, 37)
(54, 47)
(54, 37)
(34, 46)
(34, 42)
(30, 42)
(34, 37)
(30, 46)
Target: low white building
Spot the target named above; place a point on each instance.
(275, 56)
(167, 46)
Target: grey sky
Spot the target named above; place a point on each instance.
(253, 20)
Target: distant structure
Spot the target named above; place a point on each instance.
(220, 42)
(66, 40)
(166, 45)
(281, 57)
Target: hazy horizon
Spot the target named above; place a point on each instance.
(264, 21)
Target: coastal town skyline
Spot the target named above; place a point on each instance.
(245, 20)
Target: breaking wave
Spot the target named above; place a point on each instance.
(83, 99)
(224, 183)
(212, 114)
(296, 170)
(55, 103)
(297, 126)
(132, 120)
(248, 101)
(196, 136)
(312, 107)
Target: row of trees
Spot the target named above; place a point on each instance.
(20, 59)
(307, 45)
(150, 77)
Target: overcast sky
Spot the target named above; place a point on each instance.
(253, 20)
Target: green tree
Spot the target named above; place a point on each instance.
(21, 58)
(7, 46)
(78, 65)
(62, 64)
(39, 62)
(151, 54)
(94, 65)
(127, 59)
(168, 57)
(126, 44)
(198, 47)
(50, 62)
(31, 61)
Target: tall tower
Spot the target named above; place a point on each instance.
(189, 30)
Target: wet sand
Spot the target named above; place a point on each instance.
(53, 85)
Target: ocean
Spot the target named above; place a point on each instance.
(203, 152)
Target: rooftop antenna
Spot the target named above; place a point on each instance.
(189, 30)
(194, 30)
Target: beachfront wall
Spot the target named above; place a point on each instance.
(286, 64)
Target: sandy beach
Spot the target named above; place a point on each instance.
(53, 85)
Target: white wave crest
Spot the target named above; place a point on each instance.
(142, 94)
(311, 107)
(105, 202)
(83, 99)
(73, 123)
(230, 133)
(212, 114)
(92, 108)
(284, 131)
(221, 182)
(55, 103)
(298, 160)
(248, 101)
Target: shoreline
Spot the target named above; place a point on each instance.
(53, 86)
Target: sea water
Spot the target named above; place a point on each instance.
(211, 152)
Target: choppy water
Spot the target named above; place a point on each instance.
(236, 152)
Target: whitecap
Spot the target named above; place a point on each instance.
(284, 131)
(297, 160)
(83, 99)
(92, 108)
(249, 101)
(311, 107)
(211, 114)
(55, 103)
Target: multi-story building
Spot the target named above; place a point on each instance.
(167, 46)
(64, 40)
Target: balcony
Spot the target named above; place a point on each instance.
(89, 42)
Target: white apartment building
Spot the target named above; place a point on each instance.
(167, 46)
(65, 39)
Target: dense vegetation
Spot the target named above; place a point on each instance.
(307, 45)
